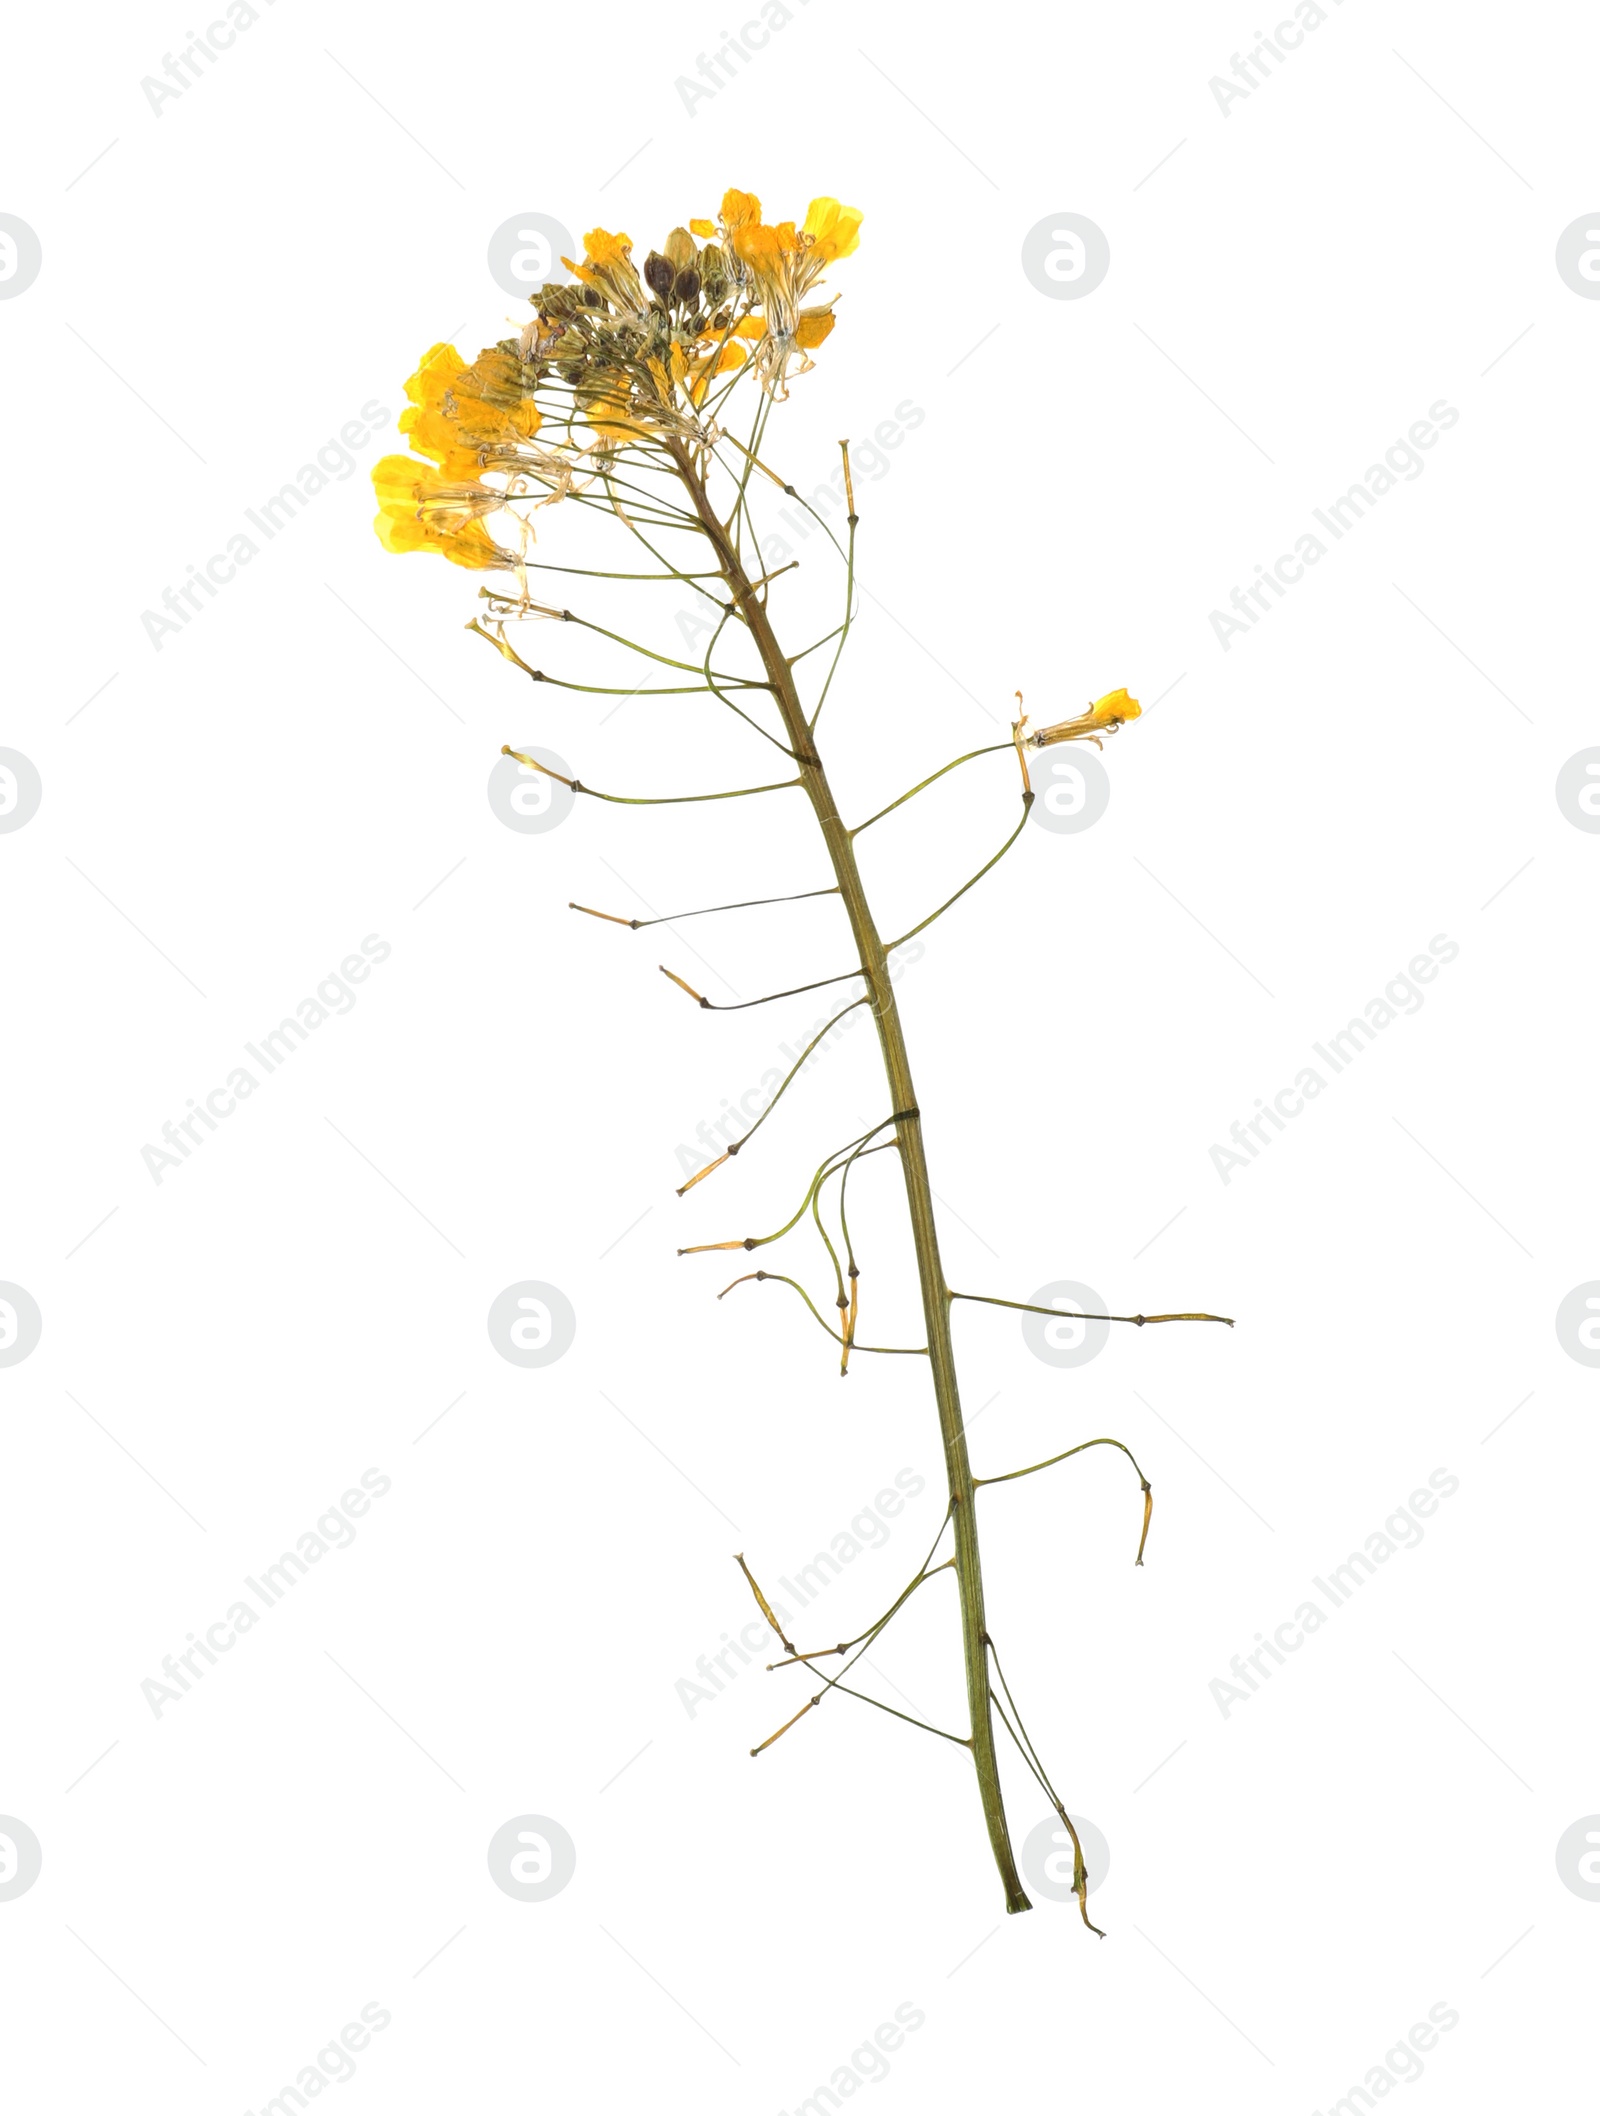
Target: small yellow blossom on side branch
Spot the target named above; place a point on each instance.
(1104, 717)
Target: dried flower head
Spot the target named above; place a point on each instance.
(622, 357)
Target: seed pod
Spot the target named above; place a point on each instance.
(659, 274)
(680, 248)
(686, 289)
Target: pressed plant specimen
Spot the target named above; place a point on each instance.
(623, 394)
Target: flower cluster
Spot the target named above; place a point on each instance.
(621, 357)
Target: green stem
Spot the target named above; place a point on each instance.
(919, 1195)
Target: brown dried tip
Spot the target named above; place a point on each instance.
(762, 1603)
(533, 764)
(609, 916)
(1017, 738)
(700, 1174)
(677, 980)
(788, 1723)
(1149, 1508)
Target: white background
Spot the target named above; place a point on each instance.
(224, 819)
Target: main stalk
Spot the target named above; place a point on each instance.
(936, 1302)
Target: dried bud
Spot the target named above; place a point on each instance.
(686, 289)
(680, 248)
(659, 274)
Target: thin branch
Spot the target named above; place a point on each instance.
(988, 750)
(1030, 1755)
(922, 924)
(863, 1637)
(760, 1241)
(739, 1144)
(849, 590)
(734, 793)
(1073, 1314)
(1049, 1462)
(717, 1006)
(910, 1351)
(672, 918)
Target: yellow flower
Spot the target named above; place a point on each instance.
(838, 227)
(420, 510)
(778, 264)
(739, 209)
(1104, 717)
(608, 267)
(459, 416)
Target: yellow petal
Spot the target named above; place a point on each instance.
(436, 370)
(813, 327)
(702, 228)
(740, 208)
(602, 248)
(1115, 705)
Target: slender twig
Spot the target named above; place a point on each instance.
(778, 1278)
(739, 1144)
(673, 918)
(1026, 1307)
(988, 750)
(643, 800)
(1050, 1460)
